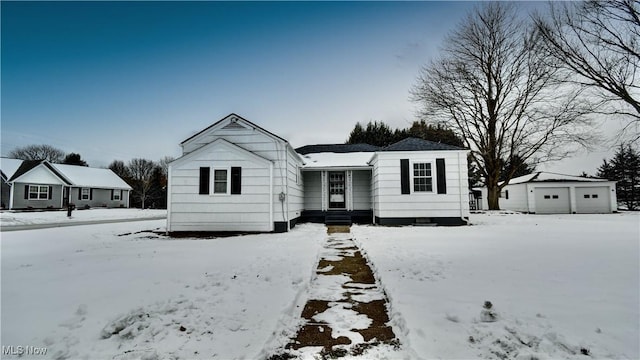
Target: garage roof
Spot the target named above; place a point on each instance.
(542, 176)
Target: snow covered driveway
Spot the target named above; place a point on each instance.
(10, 220)
(561, 285)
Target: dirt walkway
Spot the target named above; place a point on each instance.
(347, 311)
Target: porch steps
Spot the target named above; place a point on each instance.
(338, 219)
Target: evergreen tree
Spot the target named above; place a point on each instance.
(515, 167)
(624, 168)
(376, 133)
(74, 159)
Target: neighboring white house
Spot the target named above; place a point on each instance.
(237, 176)
(549, 193)
(39, 184)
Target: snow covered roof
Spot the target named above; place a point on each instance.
(9, 166)
(542, 176)
(92, 177)
(335, 160)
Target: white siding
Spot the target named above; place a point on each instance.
(295, 182)
(248, 211)
(391, 203)
(263, 181)
(312, 190)
(517, 198)
(361, 190)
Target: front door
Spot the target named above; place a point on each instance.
(336, 190)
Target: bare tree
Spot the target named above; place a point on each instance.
(38, 152)
(119, 167)
(164, 165)
(493, 86)
(141, 172)
(599, 42)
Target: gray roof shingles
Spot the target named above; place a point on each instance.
(408, 144)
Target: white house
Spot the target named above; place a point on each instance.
(237, 176)
(549, 193)
(39, 184)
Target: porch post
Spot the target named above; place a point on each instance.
(349, 190)
(324, 187)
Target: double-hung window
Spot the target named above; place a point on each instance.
(85, 194)
(37, 192)
(220, 181)
(422, 177)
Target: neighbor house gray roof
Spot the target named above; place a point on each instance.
(336, 148)
(415, 144)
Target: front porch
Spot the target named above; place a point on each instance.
(338, 196)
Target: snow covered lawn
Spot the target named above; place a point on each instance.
(87, 292)
(11, 218)
(560, 285)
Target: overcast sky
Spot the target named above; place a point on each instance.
(118, 80)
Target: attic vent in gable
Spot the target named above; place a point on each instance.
(233, 125)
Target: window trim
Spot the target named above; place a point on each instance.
(38, 192)
(82, 193)
(227, 180)
(434, 186)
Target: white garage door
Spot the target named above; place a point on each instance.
(593, 200)
(552, 200)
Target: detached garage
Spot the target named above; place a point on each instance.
(549, 193)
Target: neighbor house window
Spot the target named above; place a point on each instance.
(85, 194)
(116, 194)
(220, 181)
(422, 179)
(37, 192)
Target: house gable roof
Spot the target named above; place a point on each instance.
(29, 165)
(234, 118)
(218, 142)
(84, 176)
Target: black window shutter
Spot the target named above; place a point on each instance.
(506, 194)
(441, 175)
(205, 172)
(26, 191)
(405, 185)
(121, 195)
(112, 194)
(236, 180)
(79, 193)
(90, 194)
(50, 192)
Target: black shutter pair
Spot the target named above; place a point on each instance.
(236, 180)
(405, 184)
(113, 192)
(90, 194)
(26, 192)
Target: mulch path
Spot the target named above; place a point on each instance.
(351, 315)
